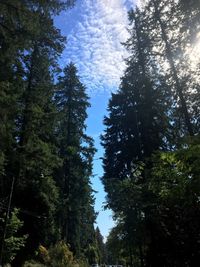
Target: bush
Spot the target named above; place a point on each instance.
(81, 263)
(60, 255)
(33, 264)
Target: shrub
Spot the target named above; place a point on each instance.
(13, 241)
(33, 264)
(60, 255)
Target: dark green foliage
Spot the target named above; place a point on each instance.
(13, 241)
(118, 251)
(101, 247)
(153, 192)
(150, 174)
(158, 220)
(175, 183)
(29, 46)
(39, 134)
(92, 254)
(76, 151)
(36, 159)
(138, 113)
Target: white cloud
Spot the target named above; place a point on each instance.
(133, 3)
(94, 44)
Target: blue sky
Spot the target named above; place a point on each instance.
(95, 30)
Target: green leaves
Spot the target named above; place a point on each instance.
(13, 241)
(151, 175)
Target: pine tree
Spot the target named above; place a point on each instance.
(137, 122)
(29, 46)
(76, 151)
(137, 126)
(156, 103)
(35, 190)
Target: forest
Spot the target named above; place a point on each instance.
(151, 142)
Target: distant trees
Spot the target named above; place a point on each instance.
(150, 136)
(101, 247)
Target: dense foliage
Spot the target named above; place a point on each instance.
(151, 161)
(151, 141)
(44, 151)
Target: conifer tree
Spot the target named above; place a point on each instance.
(36, 154)
(76, 151)
(29, 46)
(156, 104)
(136, 125)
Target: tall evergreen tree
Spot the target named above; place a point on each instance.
(76, 151)
(156, 103)
(137, 125)
(29, 46)
(36, 154)
(21, 24)
(137, 122)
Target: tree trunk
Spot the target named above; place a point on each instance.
(174, 71)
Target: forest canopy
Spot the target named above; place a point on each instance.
(151, 142)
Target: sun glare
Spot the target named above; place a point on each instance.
(193, 53)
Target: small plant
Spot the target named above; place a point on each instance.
(13, 242)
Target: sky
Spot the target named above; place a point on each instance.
(95, 30)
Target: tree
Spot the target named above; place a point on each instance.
(137, 125)
(20, 25)
(36, 152)
(30, 44)
(76, 151)
(166, 22)
(40, 140)
(191, 18)
(174, 182)
(156, 103)
(116, 247)
(138, 120)
(101, 247)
